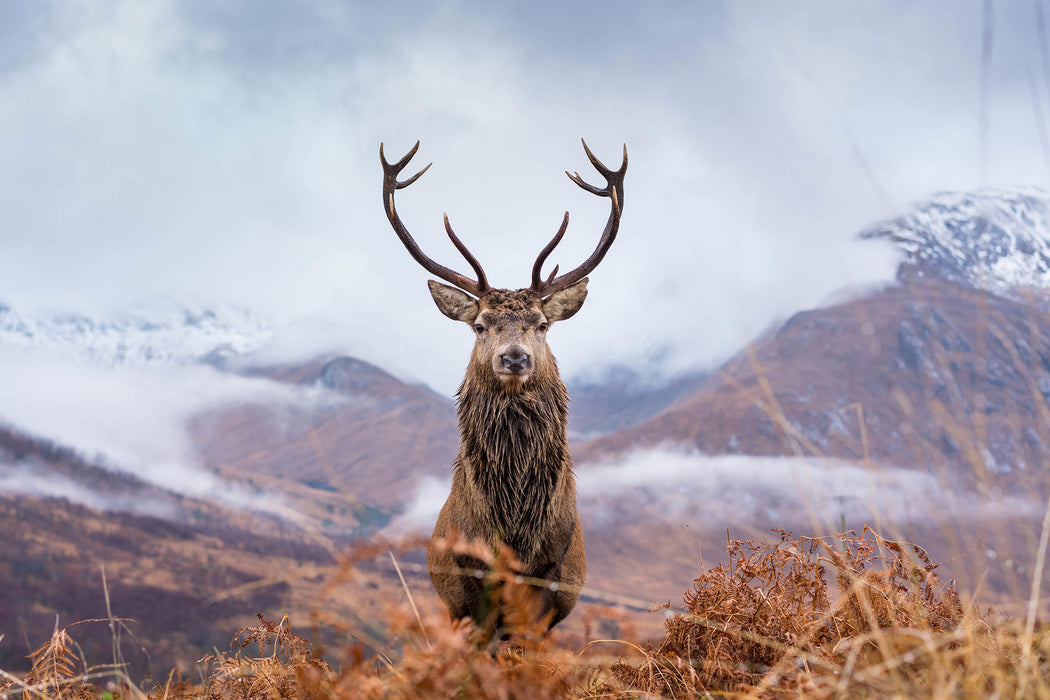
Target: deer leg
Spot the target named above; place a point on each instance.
(571, 574)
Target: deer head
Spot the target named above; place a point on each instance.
(510, 326)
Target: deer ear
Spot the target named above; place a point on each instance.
(564, 304)
(457, 305)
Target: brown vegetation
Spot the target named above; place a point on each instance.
(840, 616)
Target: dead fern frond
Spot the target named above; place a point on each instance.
(283, 662)
(769, 618)
(54, 670)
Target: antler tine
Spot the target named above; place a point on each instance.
(395, 169)
(614, 190)
(392, 184)
(483, 283)
(537, 280)
(600, 167)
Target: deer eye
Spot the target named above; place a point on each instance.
(479, 328)
(543, 328)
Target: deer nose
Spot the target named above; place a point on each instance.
(515, 361)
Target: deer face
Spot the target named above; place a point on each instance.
(510, 328)
(510, 325)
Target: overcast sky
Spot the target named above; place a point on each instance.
(226, 152)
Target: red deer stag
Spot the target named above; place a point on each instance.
(513, 482)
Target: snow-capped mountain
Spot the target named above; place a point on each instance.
(994, 239)
(154, 336)
(968, 327)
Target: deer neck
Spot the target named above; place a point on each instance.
(515, 455)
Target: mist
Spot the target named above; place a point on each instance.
(748, 492)
(159, 151)
(742, 490)
(35, 480)
(128, 418)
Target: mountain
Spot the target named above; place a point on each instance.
(919, 374)
(945, 375)
(621, 397)
(369, 442)
(993, 239)
(155, 336)
(952, 365)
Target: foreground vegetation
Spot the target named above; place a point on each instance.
(841, 616)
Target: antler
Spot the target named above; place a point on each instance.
(614, 190)
(390, 184)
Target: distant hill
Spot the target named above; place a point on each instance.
(371, 437)
(922, 374)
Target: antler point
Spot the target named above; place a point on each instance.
(390, 185)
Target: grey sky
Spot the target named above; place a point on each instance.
(226, 152)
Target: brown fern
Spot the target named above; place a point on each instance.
(769, 612)
(54, 672)
(283, 662)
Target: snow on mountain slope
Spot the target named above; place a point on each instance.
(155, 336)
(994, 239)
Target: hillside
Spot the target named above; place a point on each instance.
(925, 374)
(951, 367)
(370, 437)
(169, 560)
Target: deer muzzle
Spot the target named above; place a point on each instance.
(514, 360)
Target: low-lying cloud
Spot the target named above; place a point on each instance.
(131, 417)
(420, 513)
(668, 484)
(743, 490)
(37, 480)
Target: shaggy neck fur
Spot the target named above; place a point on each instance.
(515, 455)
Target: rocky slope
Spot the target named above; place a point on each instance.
(993, 239)
(184, 571)
(923, 374)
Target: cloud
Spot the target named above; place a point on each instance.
(34, 480)
(133, 418)
(744, 490)
(228, 154)
(751, 492)
(421, 512)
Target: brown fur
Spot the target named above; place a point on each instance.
(513, 483)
